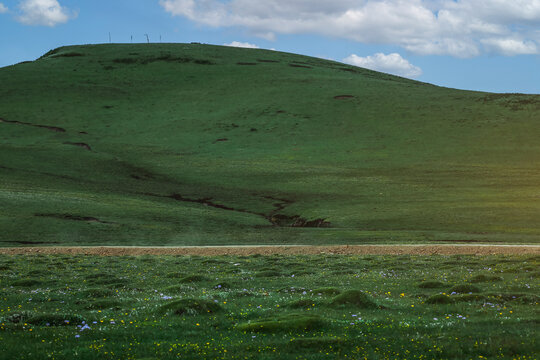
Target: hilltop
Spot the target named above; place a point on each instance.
(190, 144)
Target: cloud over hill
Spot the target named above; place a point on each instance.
(242, 45)
(391, 63)
(463, 28)
(43, 12)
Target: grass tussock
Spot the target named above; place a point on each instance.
(431, 285)
(177, 289)
(468, 298)
(25, 283)
(175, 275)
(105, 304)
(285, 323)
(268, 274)
(528, 299)
(440, 299)
(327, 291)
(37, 273)
(356, 298)
(485, 278)
(99, 276)
(301, 304)
(111, 281)
(191, 307)
(97, 292)
(464, 289)
(194, 279)
(55, 320)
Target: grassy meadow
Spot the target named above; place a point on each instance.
(269, 307)
(189, 144)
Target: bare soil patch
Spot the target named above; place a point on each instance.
(285, 250)
(300, 66)
(72, 217)
(79, 144)
(48, 127)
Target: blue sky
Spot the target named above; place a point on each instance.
(488, 45)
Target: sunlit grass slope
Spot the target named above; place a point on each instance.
(183, 144)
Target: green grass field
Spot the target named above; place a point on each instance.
(269, 307)
(187, 144)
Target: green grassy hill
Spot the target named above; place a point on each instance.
(177, 144)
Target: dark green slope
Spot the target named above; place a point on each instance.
(194, 144)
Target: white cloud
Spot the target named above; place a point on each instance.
(510, 47)
(43, 12)
(3, 8)
(391, 63)
(242, 45)
(461, 28)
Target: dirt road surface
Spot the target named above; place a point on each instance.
(285, 250)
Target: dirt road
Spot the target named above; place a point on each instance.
(285, 250)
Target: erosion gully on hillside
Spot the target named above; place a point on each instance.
(274, 216)
(48, 127)
(51, 128)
